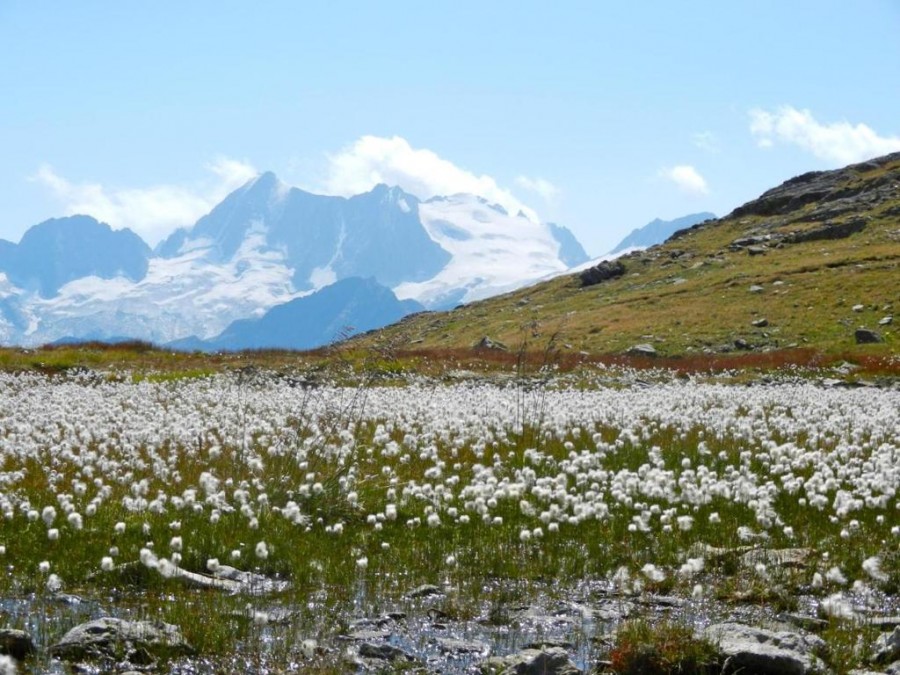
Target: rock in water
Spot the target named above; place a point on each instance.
(764, 652)
(552, 661)
(16, 643)
(887, 647)
(120, 639)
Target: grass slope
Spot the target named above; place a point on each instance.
(692, 293)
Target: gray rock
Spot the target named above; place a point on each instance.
(118, 639)
(16, 643)
(829, 231)
(552, 661)
(778, 557)
(756, 288)
(858, 308)
(864, 336)
(608, 269)
(424, 591)
(742, 344)
(643, 350)
(886, 321)
(456, 646)
(760, 323)
(383, 652)
(757, 250)
(764, 652)
(232, 580)
(887, 647)
(488, 343)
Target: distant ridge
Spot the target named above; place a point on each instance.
(657, 231)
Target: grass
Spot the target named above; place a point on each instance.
(661, 648)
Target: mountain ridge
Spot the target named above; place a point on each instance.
(813, 262)
(264, 245)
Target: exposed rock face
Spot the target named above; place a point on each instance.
(765, 652)
(836, 192)
(828, 231)
(134, 641)
(608, 269)
(552, 661)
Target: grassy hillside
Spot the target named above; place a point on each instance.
(814, 248)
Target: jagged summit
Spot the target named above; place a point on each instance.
(264, 245)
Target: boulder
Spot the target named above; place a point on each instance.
(757, 650)
(756, 288)
(488, 343)
(886, 321)
(608, 269)
(864, 336)
(887, 647)
(383, 652)
(120, 639)
(551, 661)
(760, 323)
(16, 643)
(643, 350)
(424, 591)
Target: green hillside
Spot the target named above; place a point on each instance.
(805, 265)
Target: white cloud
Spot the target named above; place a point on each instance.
(706, 140)
(152, 212)
(543, 187)
(372, 160)
(686, 178)
(838, 143)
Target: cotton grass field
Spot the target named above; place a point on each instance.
(500, 495)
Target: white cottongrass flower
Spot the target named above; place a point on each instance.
(75, 520)
(260, 618)
(176, 543)
(691, 567)
(212, 564)
(53, 534)
(262, 550)
(48, 515)
(106, 564)
(872, 567)
(54, 583)
(44, 567)
(119, 528)
(685, 523)
(835, 576)
(653, 573)
(167, 568)
(236, 554)
(837, 606)
(362, 562)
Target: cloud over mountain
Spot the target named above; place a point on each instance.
(371, 160)
(154, 211)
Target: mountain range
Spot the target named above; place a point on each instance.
(261, 262)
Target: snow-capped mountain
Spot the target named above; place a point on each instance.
(265, 245)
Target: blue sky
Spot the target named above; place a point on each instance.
(600, 116)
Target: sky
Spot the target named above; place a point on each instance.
(600, 116)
